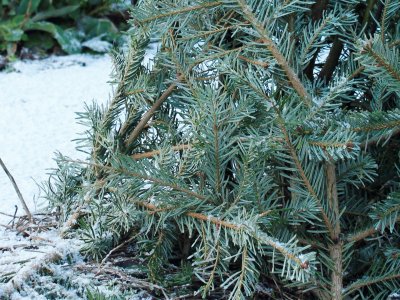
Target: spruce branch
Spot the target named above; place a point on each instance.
(383, 18)
(219, 54)
(356, 73)
(388, 11)
(141, 176)
(217, 154)
(126, 72)
(386, 213)
(394, 43)
(363, 283)
(73, 219)
(199, 216)
(325, 144)
(210, 282)
(367, 232)
(305, 179)
(376, 127)
(312, 40)
(273, 48)
(179, 12)
(259, 236)
(383, 274)
(236, 155)
(134, 92)
(147, 116)
(241, 282)
(358, 236)
(254, 62)
(224, 29)
(380, 58)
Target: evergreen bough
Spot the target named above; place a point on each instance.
(259, 149)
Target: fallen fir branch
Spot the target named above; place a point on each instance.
(114, 272)
(16, 282)
(13, 247)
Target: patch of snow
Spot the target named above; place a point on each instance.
(97, 44)
(394, 296)
(38, 101)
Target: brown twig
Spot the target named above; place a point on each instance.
(116, 248)
(147, 116)
(8, 215)
(28, 213)
(156, 152)
(332, 61)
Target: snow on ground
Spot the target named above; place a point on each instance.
(38, 101)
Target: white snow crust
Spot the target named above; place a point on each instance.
(38, 101)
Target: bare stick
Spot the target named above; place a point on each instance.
(14, 216)
(153, 153)
(116, 248)
(28, 213)
(8, 215)
(147, 116)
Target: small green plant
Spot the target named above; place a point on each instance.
(71, 25)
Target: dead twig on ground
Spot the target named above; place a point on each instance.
(28, 213)
(108, 272)
(14, 216)
(8, 215)
(116, 248)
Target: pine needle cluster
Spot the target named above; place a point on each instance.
(259, 149)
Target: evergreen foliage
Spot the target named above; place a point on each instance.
(260, 149)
